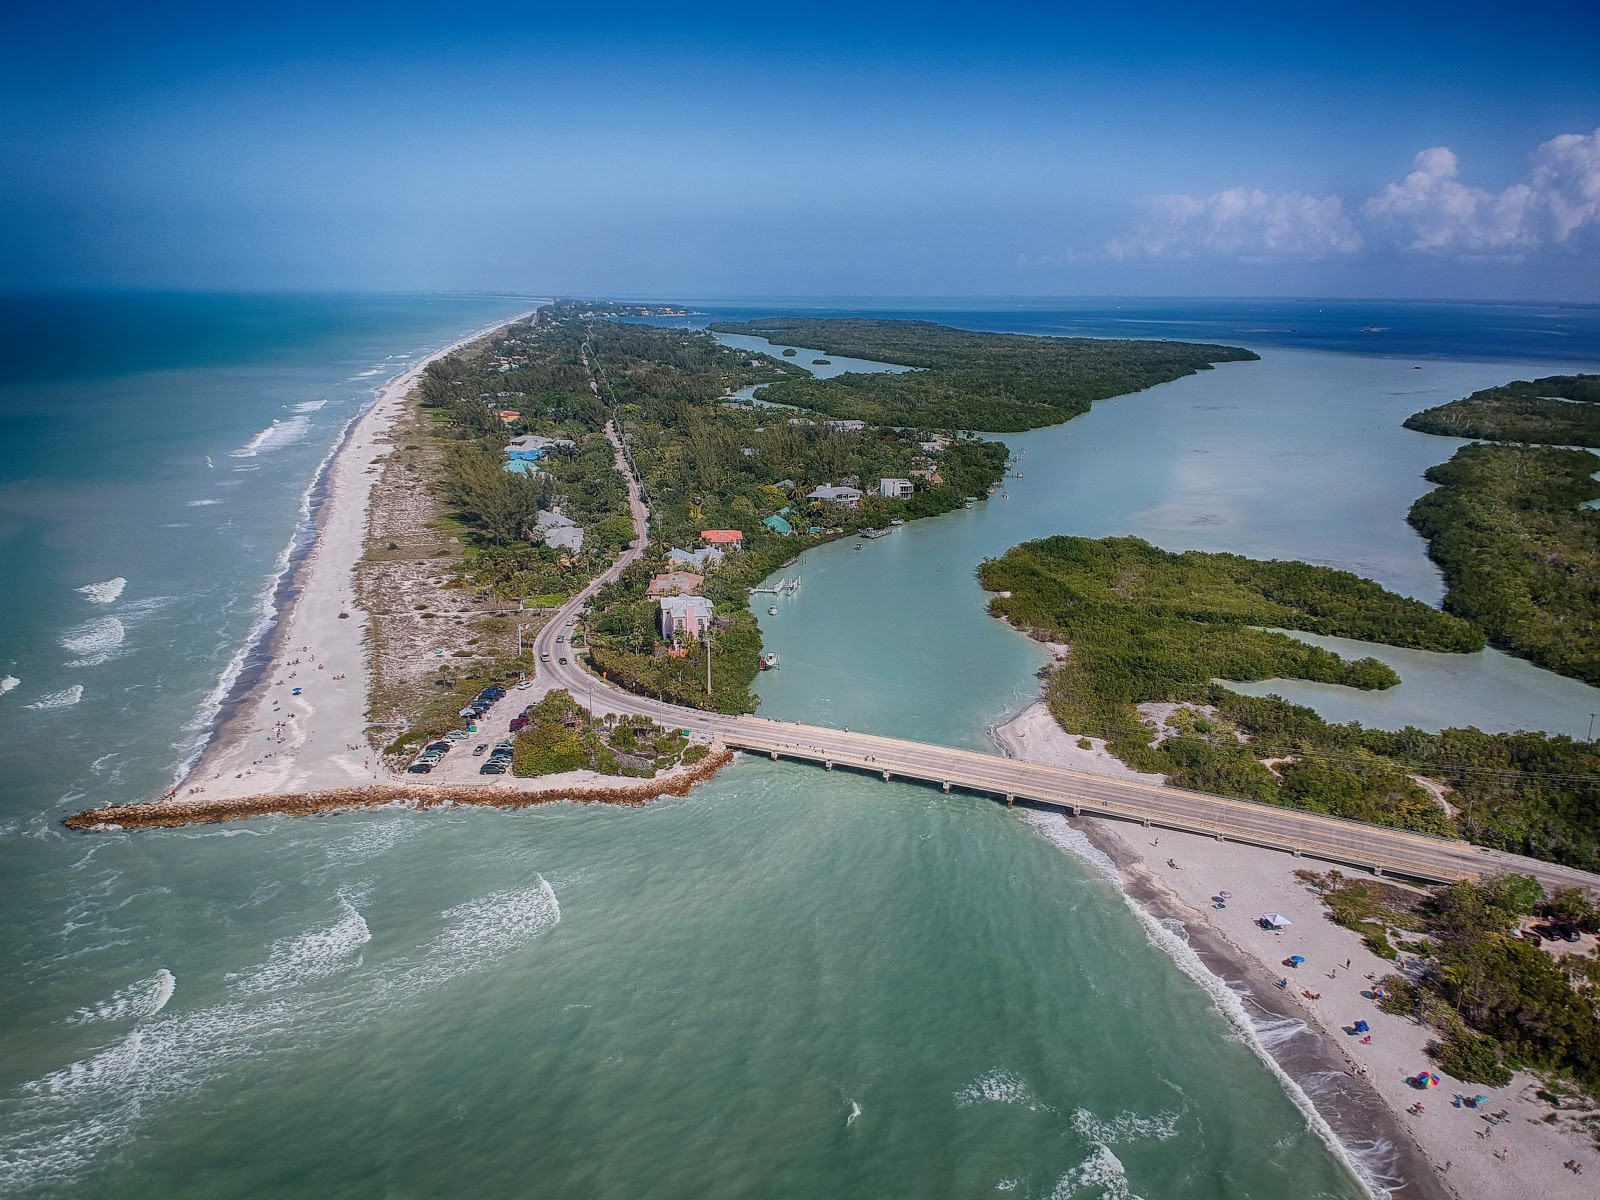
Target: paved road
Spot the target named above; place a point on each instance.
(1348, 842)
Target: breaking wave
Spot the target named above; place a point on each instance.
(999, 1086)
(94, 642)
(314, 955)
(309, 406)
(279, 433)
(62, 1122)
(203, 503)
(62, 699)
(136, 1001)
(9, 682)
(104, 593)
(1101, 1174)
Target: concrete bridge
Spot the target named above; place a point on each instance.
(1012, 781)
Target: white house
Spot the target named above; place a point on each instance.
(706, 556)
(828, 494)
(561, 531)
(846, 426)
(688, 615)
(895, 489)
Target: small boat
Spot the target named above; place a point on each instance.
(897, 521)
(767, 661)
(772, 610)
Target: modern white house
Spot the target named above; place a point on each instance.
(846, 426)
(895, 489)
(686, 615)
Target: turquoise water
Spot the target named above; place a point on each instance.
(686, 1000)
(1301, 455)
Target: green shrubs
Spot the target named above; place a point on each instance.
(1471, 1058)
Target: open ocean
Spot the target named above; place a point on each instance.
(787, 983)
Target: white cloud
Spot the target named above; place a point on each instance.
(1241, 223)
(1435, 212)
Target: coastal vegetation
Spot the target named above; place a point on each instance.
(1147, 627)
(563, 736)
(966, 380)
(1510, 529)
(1558, 410)
(1497, 999)
(707, 461)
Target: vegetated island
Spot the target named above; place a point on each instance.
(1510, 526)
(1558, 410)
(1004, 382)
(1145, 627)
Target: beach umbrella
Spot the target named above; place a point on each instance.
(1226, 895)
(1276, 920)
(1297, 959)
(1362, 1027)
(1432, 1079)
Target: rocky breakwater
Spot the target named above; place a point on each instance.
(199, 810)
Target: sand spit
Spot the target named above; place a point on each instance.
(202, 810)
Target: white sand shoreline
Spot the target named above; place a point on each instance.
(1175, 876)
(274, 741)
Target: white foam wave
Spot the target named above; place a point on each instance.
(94, 642)
(62, 1122)
(65, 698)
(104, 593)
(1054, 827)
(369, 374)
(999, 1086)
(314, 955)
(1125, 1127)
(9, 682)
(203, 503)
(136, 1001)
(855, 1111)
(309, 406)
(369, 841)
(280, 433)
(484, 931)
(1101, 1174)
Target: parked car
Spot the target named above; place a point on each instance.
(477, 751)
(492, 693)
(422, 766)
(436, 748)
(455, 735)
(494, 767)
(518, 723)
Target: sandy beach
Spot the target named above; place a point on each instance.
(1358, 1089)
(277, 741)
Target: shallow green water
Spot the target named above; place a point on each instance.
(694, 998)
(687, 1000)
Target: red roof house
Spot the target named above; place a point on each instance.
(730, 539)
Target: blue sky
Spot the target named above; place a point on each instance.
(767, 150)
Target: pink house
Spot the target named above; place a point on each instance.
(688, 615)
(728, 539)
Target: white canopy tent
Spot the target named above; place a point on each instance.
(1277, 920)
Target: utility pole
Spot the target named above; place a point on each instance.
(1591, 727)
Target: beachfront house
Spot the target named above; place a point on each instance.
(846, 426)
(532, 447)
(684, 616)
(700, 560)
(847, 497)
(778, 525)
(675, 583)
(895, 489)
(726, 539)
